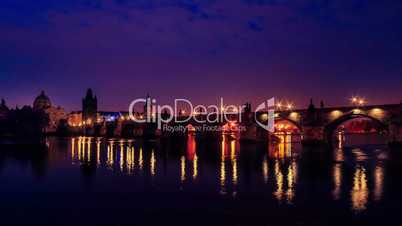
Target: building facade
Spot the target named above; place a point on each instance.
(55, 114)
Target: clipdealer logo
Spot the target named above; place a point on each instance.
(268, 106)
(200, 114)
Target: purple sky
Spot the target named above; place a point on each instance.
(241, 50)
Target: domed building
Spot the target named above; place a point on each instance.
(4, 110)
(42, 102)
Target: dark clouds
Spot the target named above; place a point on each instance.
(240, 49)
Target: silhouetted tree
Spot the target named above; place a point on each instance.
(26, 123)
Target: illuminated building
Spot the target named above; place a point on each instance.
(55, 114)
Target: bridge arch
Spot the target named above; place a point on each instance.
(286, 119)
(330, 128)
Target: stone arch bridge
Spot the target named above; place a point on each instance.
(319, 124)
(316, 124)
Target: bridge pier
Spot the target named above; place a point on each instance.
(100, 130)
(103, 130)
(208, 135)
(150, 131)
(118, 129)
(395, 134)
(254, 133)
(395, 143)
(314, 127)
(89, 131)
(314, 135)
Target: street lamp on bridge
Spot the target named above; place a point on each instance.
(290, 106)
(287, 107)
(358, 101)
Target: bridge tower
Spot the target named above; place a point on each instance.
(89, 107)
(313, 125)
(252, 132)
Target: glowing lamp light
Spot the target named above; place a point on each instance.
(356, 111)
(264, 117)
(289, 106)
(358, 101)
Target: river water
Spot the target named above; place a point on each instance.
(90, 181)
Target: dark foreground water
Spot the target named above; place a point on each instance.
(87, 181)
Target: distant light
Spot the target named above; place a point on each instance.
(294, 116)
(335, 114)
(358, 101)
(290, 106)
(377, 113)
(264, 117)
(356, 111)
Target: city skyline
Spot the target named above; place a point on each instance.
(243, 51)
(280, 104)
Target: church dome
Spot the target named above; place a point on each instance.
(3, 106)
(3, 110)
(42, 102)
